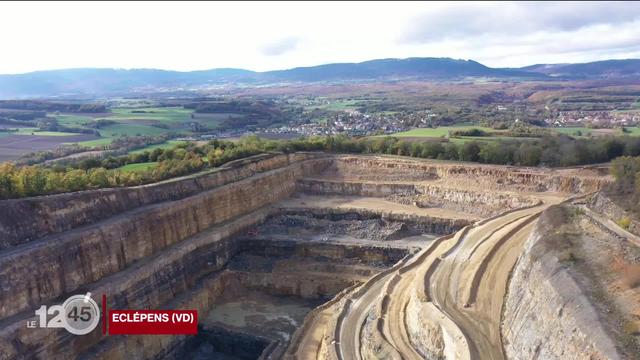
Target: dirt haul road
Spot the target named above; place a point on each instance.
(462, 280)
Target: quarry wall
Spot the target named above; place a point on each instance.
(24, 220)
(142, 258)
(546, 314)
(166, 244)
(375, 168)
(476, 202)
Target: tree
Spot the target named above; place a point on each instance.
(528, 155)
(7, 187)
(75, 180)
(450, 152)
(496, 153)
(98, 178)
(613, 148)
(470, 151)
(432, 150)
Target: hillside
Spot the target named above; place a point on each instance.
(118, 81)
(91, 81)
(606, 69)
(421, 68)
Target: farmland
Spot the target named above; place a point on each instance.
(446, 131)
(438, 131)
(164, 145)
(20, 139)
(138, 167)
(14, 146)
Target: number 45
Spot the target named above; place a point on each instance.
(57, 311)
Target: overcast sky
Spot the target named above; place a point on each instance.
(267, 36)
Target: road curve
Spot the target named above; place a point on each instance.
(460, 282)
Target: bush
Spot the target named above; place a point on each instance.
(624, 223)
(469, 132)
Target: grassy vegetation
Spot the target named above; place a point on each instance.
(94, 143)
(72, 120)
(138, 167)
(131, 130)
(212, 121)
(164, 145)
(444, 131)
(633, 131)
(438, 131)
(574, 131)
(162, 114)
(341, 105)
(36, 131)
(149, 121)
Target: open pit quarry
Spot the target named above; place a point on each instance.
(317, 256)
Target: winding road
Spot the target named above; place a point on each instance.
(460, 281)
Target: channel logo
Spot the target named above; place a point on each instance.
(80, 315)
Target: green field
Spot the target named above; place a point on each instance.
(162, 114)
(338, 105)
(94, 143)
(71, 120)
(149, 121)
(131, 130)
(164, 145)
(439, 131)
(633, 131)
(138, 167)
(573, 131)
(36, 131)
(136, 121)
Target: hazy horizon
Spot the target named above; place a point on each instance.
(187, 36)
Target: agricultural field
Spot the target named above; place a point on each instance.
(149, 121)
(164, 145)
(13, 146)
(339, 104)
(439, 131)
(138, 167)
(444, 131)
(120, 121)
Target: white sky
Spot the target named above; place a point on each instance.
(268, 36)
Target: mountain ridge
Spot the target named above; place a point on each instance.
(110, 81)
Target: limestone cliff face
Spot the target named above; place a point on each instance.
(164, 245)
(465, 200)
(100, 249)
(143, 258)
(488, 176)
(24, 220)
(546, 314)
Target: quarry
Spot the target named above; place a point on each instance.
(324, 256)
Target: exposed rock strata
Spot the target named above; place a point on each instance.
(24, 220)
(546, 313)
(375, 168)
(167, 244)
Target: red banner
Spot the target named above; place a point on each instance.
(153, 322)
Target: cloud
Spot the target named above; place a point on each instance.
(459, 21)
(280, 47)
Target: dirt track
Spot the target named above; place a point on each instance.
(462, 280)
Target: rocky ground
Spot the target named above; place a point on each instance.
(608, 270)
(351, 225)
